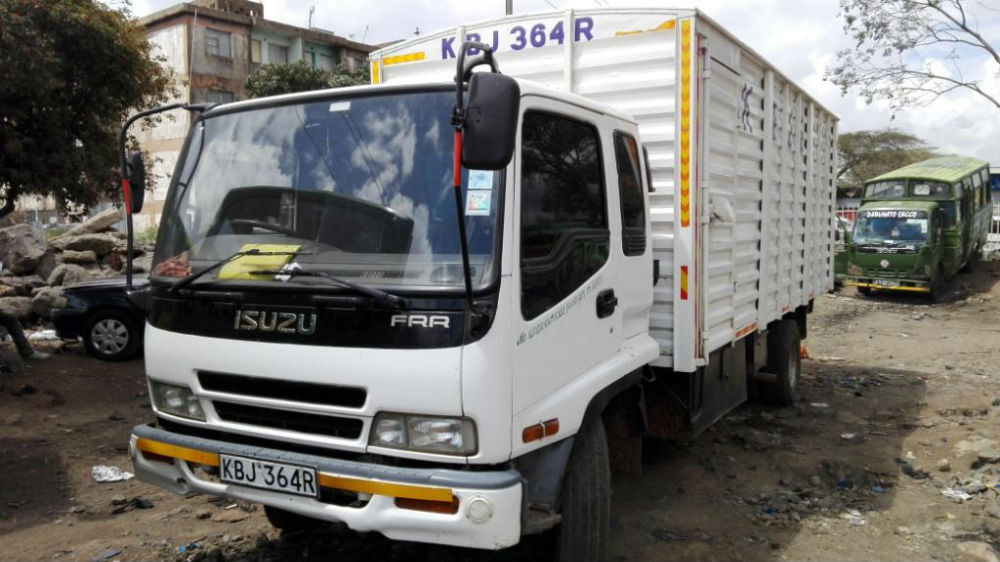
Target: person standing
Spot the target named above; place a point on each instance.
(9, 321)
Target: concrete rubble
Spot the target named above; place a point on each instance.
(34, 271)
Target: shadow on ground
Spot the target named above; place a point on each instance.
(31, 475)
(741, 491)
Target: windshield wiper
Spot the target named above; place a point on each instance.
(380, 296)
(185, 281)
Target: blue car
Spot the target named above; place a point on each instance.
(101, 314)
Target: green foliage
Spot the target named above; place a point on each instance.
(275, 79)
(909, 52)
(146, 237)
(72, 71)
(867, 154)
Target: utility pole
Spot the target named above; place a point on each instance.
(510, 7)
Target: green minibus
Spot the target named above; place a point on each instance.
(919, 225)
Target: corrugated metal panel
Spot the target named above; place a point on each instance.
(636, 74)
(766, 152)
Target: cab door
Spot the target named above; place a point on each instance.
(566, 225)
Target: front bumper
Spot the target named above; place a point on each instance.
(889, 284)
(381, 485)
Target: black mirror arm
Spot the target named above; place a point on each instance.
(126, 178)
(462, 73)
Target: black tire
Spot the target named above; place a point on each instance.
(974, 257)
(865, 291)
(938, 286)
(784, 362)
(585, 527)
(111, 335)
(289, 522)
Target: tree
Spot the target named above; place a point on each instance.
(72, 72)
(908, 52)
(866, 154)
(274, 79)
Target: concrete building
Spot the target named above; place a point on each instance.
(213, 46)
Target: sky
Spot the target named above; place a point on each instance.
(800, 37)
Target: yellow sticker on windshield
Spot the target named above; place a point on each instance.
(240, 268)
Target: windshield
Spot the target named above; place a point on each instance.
(888, 189)
(356, 188)
(932, 189)
(890, 226)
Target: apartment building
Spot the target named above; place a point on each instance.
(213, 46)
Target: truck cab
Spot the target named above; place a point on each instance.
(897, 246)
(309, 345)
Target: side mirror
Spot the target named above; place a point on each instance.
(136, 173)
(491, 121)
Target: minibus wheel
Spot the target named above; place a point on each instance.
(938, 285)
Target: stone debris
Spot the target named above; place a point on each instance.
(33, 270)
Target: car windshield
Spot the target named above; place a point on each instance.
(890, 226)
(358, 188)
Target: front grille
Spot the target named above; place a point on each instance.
(333, 426)
(313, 393)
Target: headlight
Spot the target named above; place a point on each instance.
(448, 436)
(176, 400)
(855, 269)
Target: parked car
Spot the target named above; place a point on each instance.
(100, 313)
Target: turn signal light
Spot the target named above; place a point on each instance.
(538, 431)
(429, 505)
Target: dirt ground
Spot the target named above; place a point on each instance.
(851, 472)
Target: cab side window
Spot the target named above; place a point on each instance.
(564, 219)
(630, 190)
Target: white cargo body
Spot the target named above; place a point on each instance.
(741, 159)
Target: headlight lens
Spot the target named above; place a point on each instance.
(448, 436)
(176, 400)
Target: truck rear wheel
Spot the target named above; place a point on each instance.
(586, 499)
(289, 522)
(784, 363)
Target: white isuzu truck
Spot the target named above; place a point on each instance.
(445, 306)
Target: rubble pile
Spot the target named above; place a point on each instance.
(34, 270)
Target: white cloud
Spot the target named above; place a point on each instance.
(799, 37)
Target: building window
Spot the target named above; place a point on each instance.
(564, 220)
(277, 54)
(255, 51)
(630, 190)
(326, 62)
(219, 96)
(218, 43)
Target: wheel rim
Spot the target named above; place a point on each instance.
(109, 336)
(793, 369)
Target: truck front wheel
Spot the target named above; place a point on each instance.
(783, 363)
(586, 498)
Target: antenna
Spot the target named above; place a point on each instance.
(365, 34)
(417, 31)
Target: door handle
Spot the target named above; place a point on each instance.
(606, 303)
